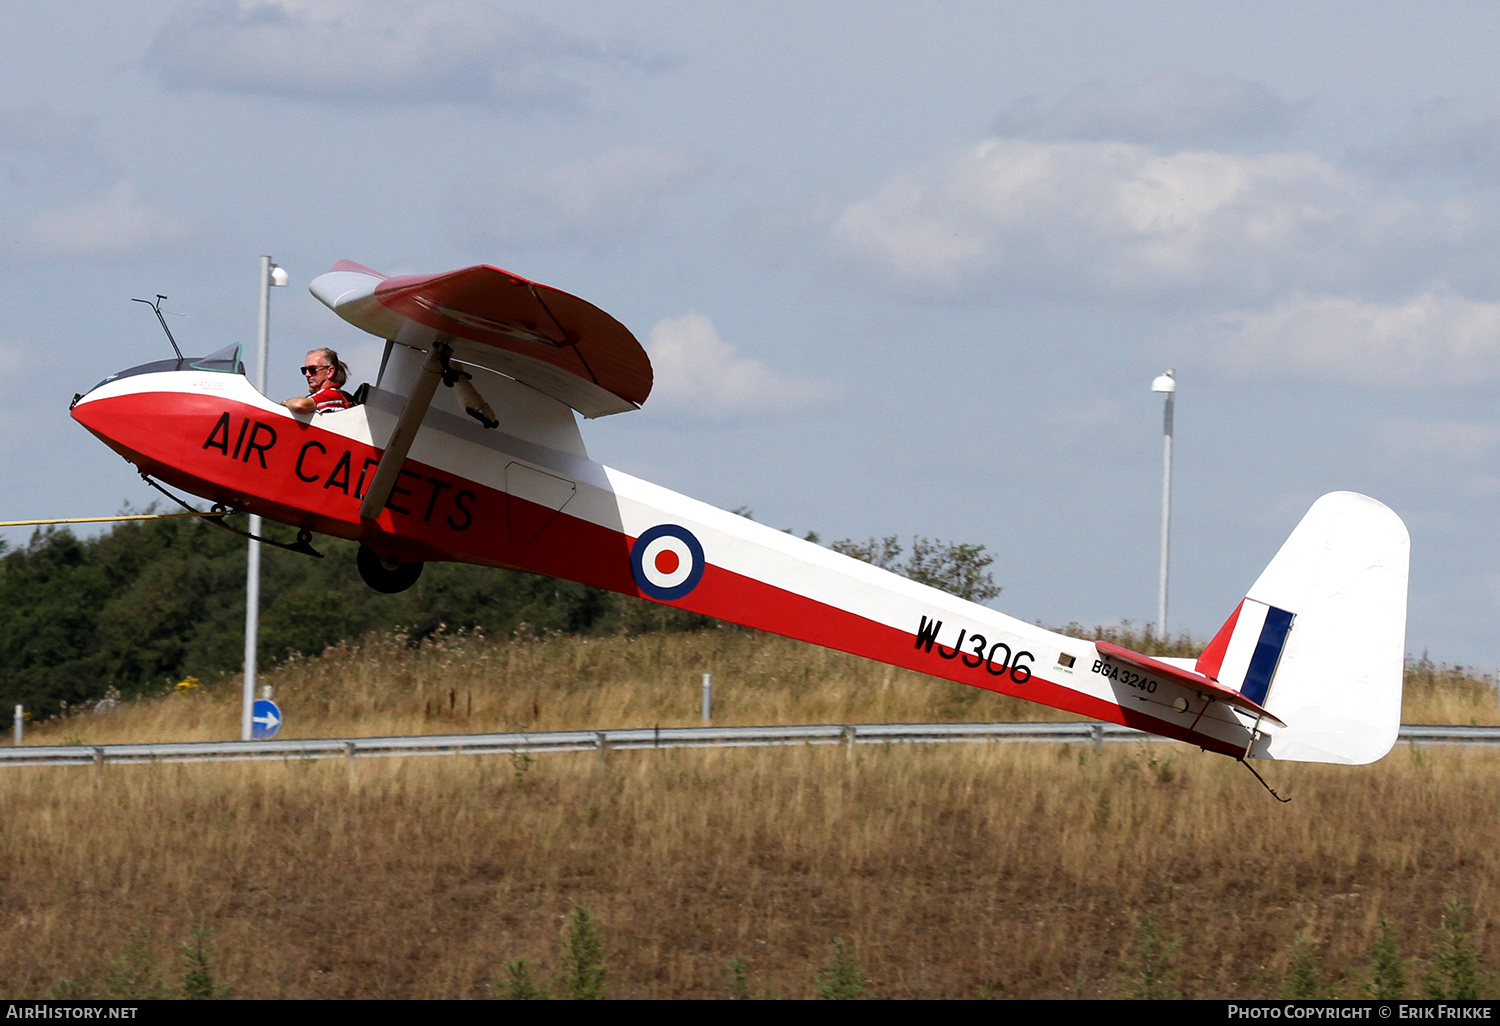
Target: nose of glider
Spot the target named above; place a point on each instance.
(141, 411)
(125, 419)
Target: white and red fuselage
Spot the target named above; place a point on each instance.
(527, 496)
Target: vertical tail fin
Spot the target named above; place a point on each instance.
(1320, 638)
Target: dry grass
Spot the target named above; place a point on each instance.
(468, 684)
(464, 684)
(1448, 694)
(1019, 869)
(1026, 869)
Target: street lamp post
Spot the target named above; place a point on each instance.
(1166, 383)
(270, 275)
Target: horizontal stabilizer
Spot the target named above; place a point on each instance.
(1207, 687)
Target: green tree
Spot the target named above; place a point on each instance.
(739, 979)
(520, 983)
(150, 603)
(1302, 982)
(845, 979)
(146, 604)
(1387, 979)
(957, 568)
(134, 975)
(1150, 976)
(583, 963)
(1453, 972)
(198, 980)
(882, 552)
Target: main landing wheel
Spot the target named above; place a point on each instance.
(387, 575)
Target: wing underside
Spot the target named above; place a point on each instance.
(555, 342)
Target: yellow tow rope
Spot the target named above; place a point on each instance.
(101, 520)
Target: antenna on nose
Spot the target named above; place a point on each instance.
(157, 307)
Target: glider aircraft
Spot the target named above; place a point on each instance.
(467, 448)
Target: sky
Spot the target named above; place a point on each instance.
(902, 268)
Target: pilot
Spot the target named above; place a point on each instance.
(325, 373)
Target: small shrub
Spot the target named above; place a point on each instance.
(1302, 982)
(583, 968)
(844, 980)
(79, 987)
(521, 766)
(198, 982)
(739, 980)
(1453, 971)
(1387, 980)
(1150, 976)
(134, 975)
(521, 984)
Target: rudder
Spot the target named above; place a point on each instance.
(1320, 638)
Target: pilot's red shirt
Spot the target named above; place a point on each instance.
(332, 399)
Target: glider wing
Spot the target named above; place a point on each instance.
(543, 337)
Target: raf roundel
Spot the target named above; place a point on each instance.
(667, 562)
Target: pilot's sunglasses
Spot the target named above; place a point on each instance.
(310, 371)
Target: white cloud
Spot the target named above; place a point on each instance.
(107, 226)
(699, 376)
(594, 203)
(1115, 220)
(1432, 339)
(374, 51)
(1446, 138)
(1175, 107)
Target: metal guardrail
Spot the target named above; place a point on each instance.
(603, 741)
(1449, 735)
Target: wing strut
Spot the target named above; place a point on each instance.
(405, 431)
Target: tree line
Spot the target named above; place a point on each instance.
(144, 605)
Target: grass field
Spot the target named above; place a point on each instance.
(459, 683)
(1013, 870)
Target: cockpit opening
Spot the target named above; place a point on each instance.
(221, 361)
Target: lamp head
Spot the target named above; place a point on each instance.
(1165, 382)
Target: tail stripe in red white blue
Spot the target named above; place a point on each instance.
(667, 562)
(1253, 640)
(1268, 648)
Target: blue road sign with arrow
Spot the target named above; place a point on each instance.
(265, 720)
